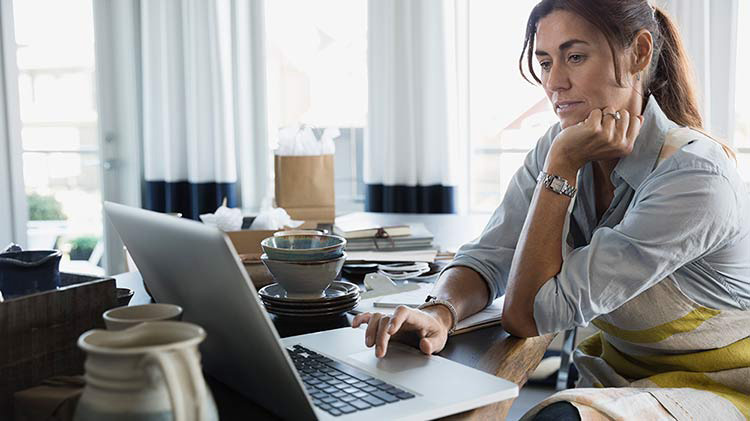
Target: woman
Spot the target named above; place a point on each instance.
(653, 247)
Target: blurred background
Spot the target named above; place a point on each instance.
(74, 91)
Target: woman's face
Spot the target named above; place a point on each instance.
(577, 68)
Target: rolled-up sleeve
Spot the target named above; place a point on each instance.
(677, 215)
(491, 254)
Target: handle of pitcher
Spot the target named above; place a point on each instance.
(179, 393)
(191, 360)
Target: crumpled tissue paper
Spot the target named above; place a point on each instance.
(274, 219)
(225, 218)
(301, 140)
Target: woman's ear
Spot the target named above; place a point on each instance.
(642, 49)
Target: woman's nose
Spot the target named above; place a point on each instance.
(557, 78)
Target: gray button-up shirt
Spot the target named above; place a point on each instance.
(689, 218)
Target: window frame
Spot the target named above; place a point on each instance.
(14, 212)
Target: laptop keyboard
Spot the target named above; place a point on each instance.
(341, 389)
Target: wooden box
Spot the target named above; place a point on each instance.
(39, 332)
(247, 244)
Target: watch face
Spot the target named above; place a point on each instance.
(557, 184)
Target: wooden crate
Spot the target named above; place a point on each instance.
(39, 332)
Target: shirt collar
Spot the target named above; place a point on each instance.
(635, 167)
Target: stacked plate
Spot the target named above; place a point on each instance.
(337, 299)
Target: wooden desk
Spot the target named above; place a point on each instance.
(490, 349)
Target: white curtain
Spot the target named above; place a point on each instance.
(202, 103)
(188, 124)
(411, 138)
(709, 29)
(254, 158)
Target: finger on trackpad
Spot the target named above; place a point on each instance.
(396, 360)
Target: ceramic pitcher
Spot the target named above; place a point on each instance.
(148, 372)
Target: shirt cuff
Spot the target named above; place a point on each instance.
(473, 264)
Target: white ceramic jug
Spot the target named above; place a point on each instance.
(148, 372)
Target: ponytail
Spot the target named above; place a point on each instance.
(671, 79)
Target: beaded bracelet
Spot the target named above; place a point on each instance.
(433, 301)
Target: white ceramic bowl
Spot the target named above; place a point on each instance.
(304, 247)
(304, 279)
(124, 317)
(297, 232)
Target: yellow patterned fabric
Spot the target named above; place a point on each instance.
(663, 331)
(631, 374)
(692, 370)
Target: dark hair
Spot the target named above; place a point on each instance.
(669, 77)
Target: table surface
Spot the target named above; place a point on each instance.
(490, 349)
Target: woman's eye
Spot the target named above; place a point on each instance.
(575, 58)
(545, 65)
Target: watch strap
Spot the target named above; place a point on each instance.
(556, 184)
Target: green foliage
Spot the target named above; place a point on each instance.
(44, 208)
(81, 247)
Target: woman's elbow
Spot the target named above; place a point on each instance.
(519, 323)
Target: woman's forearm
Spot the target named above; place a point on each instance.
(538, 254)
(464, 288)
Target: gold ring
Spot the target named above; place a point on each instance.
(615, 114)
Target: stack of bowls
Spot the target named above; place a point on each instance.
(305, 267)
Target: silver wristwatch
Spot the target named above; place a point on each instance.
(556, 183)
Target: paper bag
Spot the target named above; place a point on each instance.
(304, 188)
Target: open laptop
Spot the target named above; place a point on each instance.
(336, 376)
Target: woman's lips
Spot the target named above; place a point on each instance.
(566, 108)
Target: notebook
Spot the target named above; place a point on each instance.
(387, 305)
(363, 226)
(420, 238)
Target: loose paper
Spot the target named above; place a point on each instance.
(391, 256)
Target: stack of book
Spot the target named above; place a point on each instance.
(361, 237)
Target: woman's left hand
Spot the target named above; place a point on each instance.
(601, 136)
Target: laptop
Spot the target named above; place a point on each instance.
(325, 375)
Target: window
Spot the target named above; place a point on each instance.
(56, 86)
(742, 88)
(507, 114)
(317, 76)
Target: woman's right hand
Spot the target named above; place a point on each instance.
(602, 136)
(426, 329)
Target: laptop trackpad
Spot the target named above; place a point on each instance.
(396, 360)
